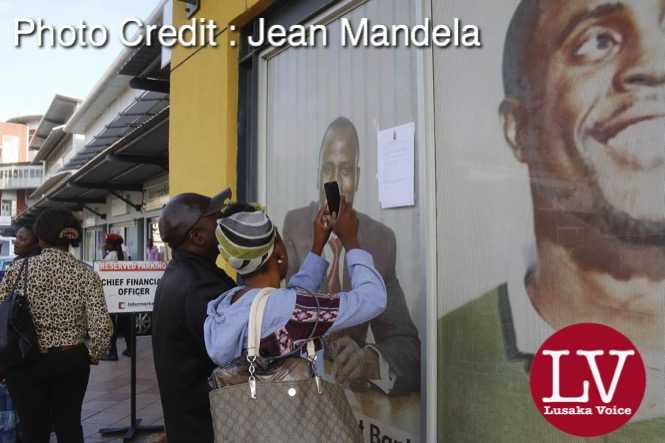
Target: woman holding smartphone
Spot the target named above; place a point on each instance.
(250, 243)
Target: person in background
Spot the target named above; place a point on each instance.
(251, 244)
(113, 252)
(113, 247)
(67, 304)
(152, 252)
(190, 281)
(26, 243)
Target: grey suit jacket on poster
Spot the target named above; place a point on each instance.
(394, 332)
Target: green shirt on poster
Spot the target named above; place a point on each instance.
(483, 382)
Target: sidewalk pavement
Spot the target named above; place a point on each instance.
(107, 403)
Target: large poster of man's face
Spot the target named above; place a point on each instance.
(563, 147)
(324, 107)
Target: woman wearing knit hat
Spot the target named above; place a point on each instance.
(250, 243)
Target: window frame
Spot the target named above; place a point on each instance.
(280, 13)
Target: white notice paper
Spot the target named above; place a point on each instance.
(396, 164)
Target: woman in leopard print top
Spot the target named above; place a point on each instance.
(67, 304)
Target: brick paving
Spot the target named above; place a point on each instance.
(107, 403)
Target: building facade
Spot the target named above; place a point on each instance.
(505, 189)
(18, 176)
(475, 171)
(106, 157)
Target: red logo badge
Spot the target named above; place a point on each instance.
(587, 379)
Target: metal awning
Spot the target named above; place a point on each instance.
(124, 166)
(144, 107)
(114, 81)
(29, 215)
(59, 111)
(41, 196)
(145, 59)
(54, 137)
(49, 184)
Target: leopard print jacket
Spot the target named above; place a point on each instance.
(66, 299)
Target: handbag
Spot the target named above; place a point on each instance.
(18, 338)
(282, 400)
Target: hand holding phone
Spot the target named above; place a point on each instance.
(321, 232)
(345, 226)
(332, 196)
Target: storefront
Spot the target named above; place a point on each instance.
(156, 196)
(123, 187)
(123, 190)
(93, 243)
(343, 97)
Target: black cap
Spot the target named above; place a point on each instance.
(184, 210)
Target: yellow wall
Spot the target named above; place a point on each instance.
(204, 102)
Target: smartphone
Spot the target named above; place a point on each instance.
(333, 197)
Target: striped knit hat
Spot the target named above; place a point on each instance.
(246, 240)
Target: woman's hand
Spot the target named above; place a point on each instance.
(345, 225)
(321, 232)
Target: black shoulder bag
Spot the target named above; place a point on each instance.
(18, 338)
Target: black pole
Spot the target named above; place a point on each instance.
(132, 378)
(134, 423)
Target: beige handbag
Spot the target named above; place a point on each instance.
(289, 403)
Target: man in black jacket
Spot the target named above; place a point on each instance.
(190, 281)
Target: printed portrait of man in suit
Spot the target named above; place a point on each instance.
(391, 362)
(584, 111)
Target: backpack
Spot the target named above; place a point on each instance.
(18, 338)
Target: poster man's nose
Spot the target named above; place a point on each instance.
(647, 67)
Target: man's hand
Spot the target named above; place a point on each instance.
(321, 232)
(353, 364)
(345, 225)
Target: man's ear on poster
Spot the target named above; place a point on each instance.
(356, 179)
(515, 124)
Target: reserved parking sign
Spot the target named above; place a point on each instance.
(129, 286)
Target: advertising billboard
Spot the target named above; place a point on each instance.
(550, 203)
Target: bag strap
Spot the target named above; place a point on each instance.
(25, 278)
(254, 334)
(24, 267)
(256, 321)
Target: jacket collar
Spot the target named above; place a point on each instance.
(182, 254)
